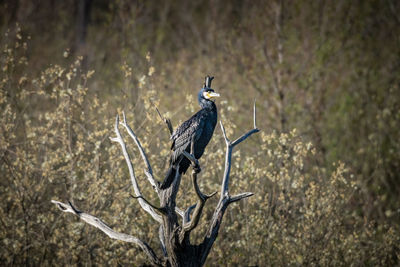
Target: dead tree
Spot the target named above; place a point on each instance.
(175, 224)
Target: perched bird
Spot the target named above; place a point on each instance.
(198, 129)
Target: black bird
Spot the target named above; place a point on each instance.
(199, 129)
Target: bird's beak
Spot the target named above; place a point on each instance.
(213, 94)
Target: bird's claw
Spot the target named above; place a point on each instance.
(196, 167)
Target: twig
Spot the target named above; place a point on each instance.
(166, 120)
(240, 196)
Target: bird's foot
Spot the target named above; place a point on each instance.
(196, 167)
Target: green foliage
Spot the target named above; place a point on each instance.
(325, 178)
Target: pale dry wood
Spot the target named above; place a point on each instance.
(225, 198)
(98, 223)
(161, 236)
(144, 204)
(149, 170)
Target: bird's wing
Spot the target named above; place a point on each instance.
(186, 132)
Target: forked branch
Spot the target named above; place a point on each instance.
(229, 148)
(190, 224)
(148, 171)
(132, 175)
(225, 198)
(98, 223)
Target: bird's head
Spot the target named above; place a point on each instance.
(207, 94)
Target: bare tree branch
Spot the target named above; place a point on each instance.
(149, 171)
(252, 131)
(224, 132)
(148, 203)
(162, 241)
(98, 223)
(135, 185)
(228, 156)
(186, 217)
(225, 198)
(198, 209)
(244, 137)
(180, 212)
(240, 196)
(229, 147)
(166, 120)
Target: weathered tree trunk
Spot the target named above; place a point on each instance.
(175, 224)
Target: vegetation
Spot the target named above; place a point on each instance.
(324, 170)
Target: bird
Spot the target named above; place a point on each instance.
(198, 129)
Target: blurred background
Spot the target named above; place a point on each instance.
(324, 170)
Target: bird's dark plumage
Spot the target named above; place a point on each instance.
(199, 129)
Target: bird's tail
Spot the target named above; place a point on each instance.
(169, 177)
